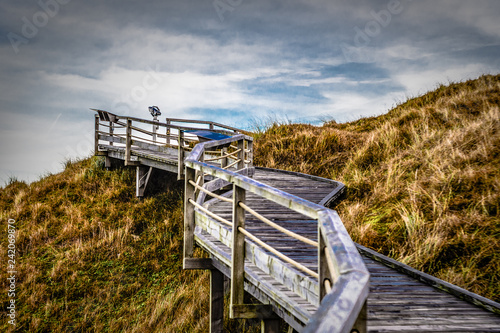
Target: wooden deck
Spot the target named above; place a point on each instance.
(400, 299)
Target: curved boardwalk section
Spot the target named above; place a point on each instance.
(269, 232)
(397, 302)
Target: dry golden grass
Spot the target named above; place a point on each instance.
(92, 258)
(423, 180)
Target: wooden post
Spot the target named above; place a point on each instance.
(323, 271)
(223, 161)
(200, 173)
(168, 132)
(216, 301)
(211, 126)
(143, 175)
(111, 130)
(238, 250)
(241, 154)
(189, 222)
(180, 161)
(107, 162)
(155, 128)
(96, 134)
(129, 141)
(360, 324)
(250, 153)
(270, 326)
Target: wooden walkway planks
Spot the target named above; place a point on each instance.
(396, 302)
(399, 303)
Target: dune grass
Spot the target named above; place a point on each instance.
(92, 258)
(423, 180)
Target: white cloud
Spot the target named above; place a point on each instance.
(267, 57)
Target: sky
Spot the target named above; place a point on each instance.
(238, 62)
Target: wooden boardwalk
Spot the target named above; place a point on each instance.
(400, 299)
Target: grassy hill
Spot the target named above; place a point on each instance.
(92, 258)
(423, 180)
(423, 187)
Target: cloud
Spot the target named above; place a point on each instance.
(296, 58)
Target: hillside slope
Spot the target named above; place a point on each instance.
(423, 180)
(92, 258)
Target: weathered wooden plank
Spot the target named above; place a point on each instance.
(432, 281)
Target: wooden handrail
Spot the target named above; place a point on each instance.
(210, 193)
(229, 131)
(278, 253)
(207, 122)
(278, 227)
(342, 275)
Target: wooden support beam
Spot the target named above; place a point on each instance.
(360, 324)
(198, 263)
(253, 311)
(270, 326)
(143, 175)
(238, 250)
(107, 162)
(216, 301)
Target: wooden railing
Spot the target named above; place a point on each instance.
(342, 275)
(131, 132)
(220, 169)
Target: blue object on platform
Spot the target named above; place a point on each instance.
(207, 135)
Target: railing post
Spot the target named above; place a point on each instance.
(168, 131)
(360, 324)
(129, 141)
(223, 161)
(323, 267)
(270, 325)
(189, 222)
(180, 161)
(155, 128)
(111, 130)
(238, 250)
(96, 134)
(211, 126)
(241, 154)
(250, 153)
(200, 174)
